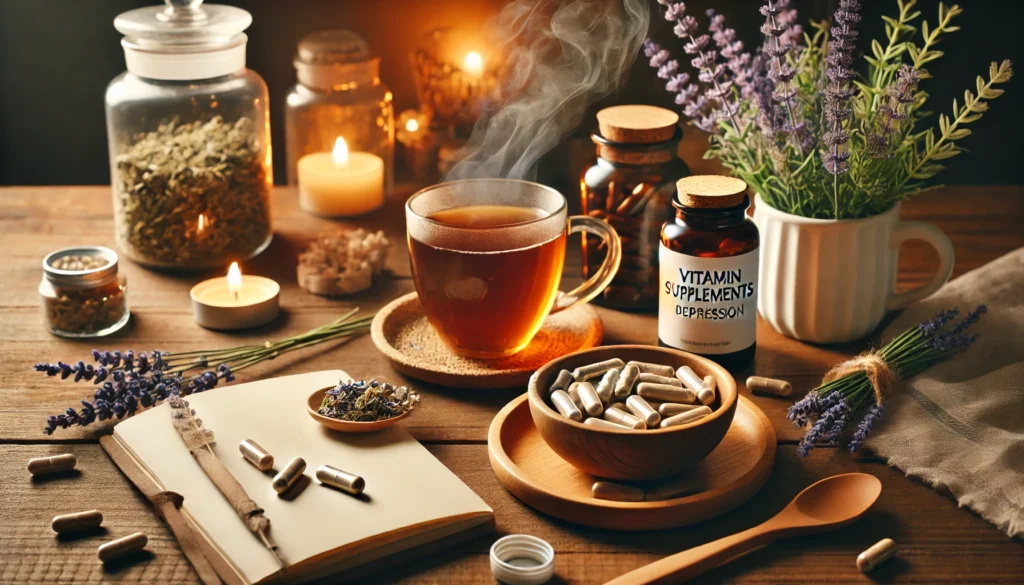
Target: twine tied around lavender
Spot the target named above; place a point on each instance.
(881, 376)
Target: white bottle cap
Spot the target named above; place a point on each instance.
(521, 559)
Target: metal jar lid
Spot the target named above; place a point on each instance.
(81, 278)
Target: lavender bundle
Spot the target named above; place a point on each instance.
(799, 123)
(130, 381)
(862, 383)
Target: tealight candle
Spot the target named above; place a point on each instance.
(235, 301)
(341, 183)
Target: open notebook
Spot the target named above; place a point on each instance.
(411, 500)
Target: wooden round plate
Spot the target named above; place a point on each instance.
(346, 426)
(729, 476)
(405, 337)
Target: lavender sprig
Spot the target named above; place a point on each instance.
(882, 143)
(838, 93)
(827, 410)
(780, 72)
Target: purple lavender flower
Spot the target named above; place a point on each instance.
(803, 411)
(838, 93)
(882, 143)
(932, 326)
(866, 425)
(731, 50)
(781, 73)
(829, 426)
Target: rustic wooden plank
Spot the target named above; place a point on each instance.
(940, 543)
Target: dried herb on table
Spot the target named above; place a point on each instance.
(362, 401)
(193, 194)
(129, 382)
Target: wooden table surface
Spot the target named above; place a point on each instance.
(940, 543)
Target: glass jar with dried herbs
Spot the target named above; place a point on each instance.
(82, 292)
(189, 135)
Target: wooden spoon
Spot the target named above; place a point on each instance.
(828, 504)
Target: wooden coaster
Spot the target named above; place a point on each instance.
(405, 337)
(729, 476)
(636, 124)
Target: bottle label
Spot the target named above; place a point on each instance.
(707, 305)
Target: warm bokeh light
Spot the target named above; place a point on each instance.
(202, 222)
(412, 125)
(234, 279)
(473, 64)
(340, 152)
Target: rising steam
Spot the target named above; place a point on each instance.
(561, 57)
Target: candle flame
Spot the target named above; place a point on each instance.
(473, 64)
(340, 152)
(234, 279)
(202, 222)
(412, 125)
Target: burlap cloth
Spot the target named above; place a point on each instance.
(959, 426)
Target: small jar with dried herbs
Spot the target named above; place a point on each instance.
(189, 135)
(82, 292)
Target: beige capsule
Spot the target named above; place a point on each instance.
(642, 410)
(625, 419)
(565, 405)
(289, 475)
(649, 368)
(671, 408)
(711, 382)
(561, 382)
(881, 551)
(686, 417)
(624, 385)
(689, 378)
(606, 387)
(604, 424)
(78, 521)
(706, 396)
(256, 455)
(666, 393)
(584, 373)
(343, 480)
(619, 406)
(616, 492)
(591, 401)
(574, 394)
(52, 464)
(657, 379)
(769, 386)
(122, 547)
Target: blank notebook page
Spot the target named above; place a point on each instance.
(405, 484)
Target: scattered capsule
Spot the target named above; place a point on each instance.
(604, 424)
(769, 386)
(77, 521)
(642, 410)
(289, 475)
(256, 455)
(881, 551)
(606, 387)
(52, 464)
(624, 385)
(686, 417)
(689, 378)
(122, 547)
(657, 379)
(608, 490)
(666, 393)
(565, 405)
(562, 381)
(590, 399)
(584, 373)
(625, 419)
(649, 368)
(343, 480)
(671, 408)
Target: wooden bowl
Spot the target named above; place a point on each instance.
(628, 454)
(346, 426)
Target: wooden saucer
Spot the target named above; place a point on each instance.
(729, 476)
(405, 337)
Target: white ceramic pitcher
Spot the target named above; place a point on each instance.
(830, 281)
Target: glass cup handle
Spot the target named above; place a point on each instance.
(604, 275)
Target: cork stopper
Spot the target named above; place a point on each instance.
(637, 124)
(710, 191)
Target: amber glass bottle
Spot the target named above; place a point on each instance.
(708, 272)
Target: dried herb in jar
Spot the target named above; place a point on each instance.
(362, 401)
(193, 194)
(82, 293)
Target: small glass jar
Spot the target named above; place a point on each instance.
(339, 94)
(189, 136)
(709, 272)
(631, 186)
(82, 293)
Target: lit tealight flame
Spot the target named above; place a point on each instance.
(340, 152)
(234, 279)
(473, 64)
(412, 125)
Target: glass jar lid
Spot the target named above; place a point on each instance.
(184, 26)
(335, 60)
(80, 266)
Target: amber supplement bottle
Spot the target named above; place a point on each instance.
(708, 272)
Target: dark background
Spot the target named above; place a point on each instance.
(57, 56)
